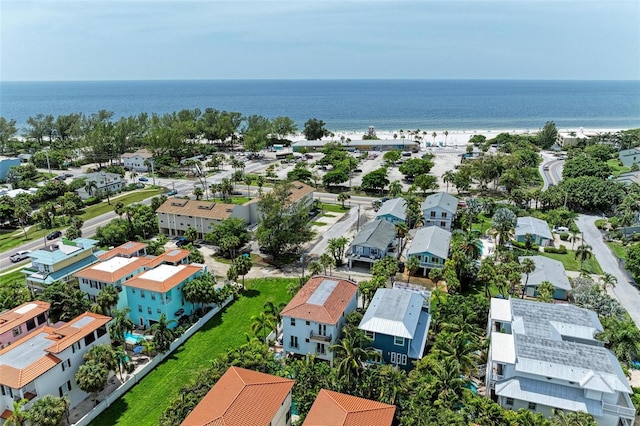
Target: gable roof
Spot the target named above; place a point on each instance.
(446, 202)
(35, 354)
(322, 299)
(240, 398)
(393, 312)
(141, 153)
(395, 207)
(298, 191)
(546, 270)
(204, 209)
(431, 239)
(113, 269)
(173, 256)
(21, 314)
(127, 249)
(163, 277)
(534, 226)
(338, 409)
(378, 234)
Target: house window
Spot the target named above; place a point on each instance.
(370, 334)
(403, 359)
(139, 308)
(294, 342)
(42, 319)
(153, 296)
(509, 401)
(307, 322)
(101, 331)
(31, 324)
(320, 349)
(443, 224)
(142, 293)
(532, 406)
(393, 358)
(17, 331)
(149, 310)
(158, 311)
(444, 215)
(398, 341)
(89, 339)
(433, 214)
(65, 388)
(293, 322)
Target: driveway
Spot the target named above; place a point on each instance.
(626, 293)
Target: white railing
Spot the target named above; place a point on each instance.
(136, 377)
(618, 410)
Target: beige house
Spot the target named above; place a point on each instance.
(104, 181)
(176, 215)
(136, 160)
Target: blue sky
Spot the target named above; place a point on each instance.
(132, 40)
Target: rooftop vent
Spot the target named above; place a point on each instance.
(206, 206)
(180, 203)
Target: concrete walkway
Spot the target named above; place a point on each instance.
(624, 291)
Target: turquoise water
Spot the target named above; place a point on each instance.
(132, 338)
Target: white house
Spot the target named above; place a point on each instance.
(104, 181)
(440, 210)
(312, 321)
(545, 356)
(45, 361)
(136, 161)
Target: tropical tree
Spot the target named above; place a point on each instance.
(200, 290)
(163, 335)
(351, 352)
(608, 280)
(315, 268)
(327, 262)
(622, 337)
(18, 415)
(120, 324)
(402, 229)
(503, 222)
(198, 192)
(545, 292)
(91, 187)
(395, 189)
(122, 358)
(107, 298)
(412, 265)
(49, 411)
(527, 266)
(336, 247)
(92, 378)
(583, 252)
(342, 197)
(572, 418)
(262, 324)
(242, 264)
(469, 244)
(22, 209)
(461, 347)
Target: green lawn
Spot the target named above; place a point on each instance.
(145, 402)
(335, 208)
(318, 223)
(12, 277)
(615, 166)
(618, 249)
(128, 198)
(572, 264)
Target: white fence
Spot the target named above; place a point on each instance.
(139, 375)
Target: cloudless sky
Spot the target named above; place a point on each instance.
(320, 39)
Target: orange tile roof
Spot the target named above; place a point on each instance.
(171, 277)
(241, 398)
(171, 256)
(21, 314)
(127, 249)
(96, 271)
(6, 414)
(332, 308)
(61, 338)
(338, 409)
(204, 209)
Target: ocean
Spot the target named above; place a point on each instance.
(390, 105)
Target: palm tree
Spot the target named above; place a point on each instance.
(119, 209)
(163, 335)
(395, 189)
(92, 378)
(448, 177)
(608, 280)
(91, 187)
(261, 324)
(413, 264)
(198, 192)
(315, 268)
(527, 267)
(226, 188)
(273, 311)
(21, 210)
(545, 292)
(446, 135)
(242, 264)
(120, 324)
(351, 352)
(402, 230)
(574, 236)
(447, 385)
(434, 135)
(504, 222)
(108, 298)
(583, 252)
(327, 262)
(470, 245)
(18, 416)
(200, 290)
(104, 355)
(247, 181)
(460, 347)
(260, 183)
(49, 411)
(342, 197)
(122, 357)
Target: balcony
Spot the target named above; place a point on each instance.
(320, 337)
(618, 410)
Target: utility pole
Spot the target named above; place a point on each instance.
(153, 175)
(46, 152)
(358, 223)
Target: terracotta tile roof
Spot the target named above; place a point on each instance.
(127, 249)
(204, 209)
(299, 190)
(338, 409)
(172, 256)
(20, 364)
(331, 309)
(163, 278)
(113, 269)
(241, 398)
(21, 314)
(6, 414)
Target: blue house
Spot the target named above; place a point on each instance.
(398, 322)
(546, 270)
(537, 228)
(374, 242)
(5, 164)
(393, 211)
(431, 246)
(159, 291)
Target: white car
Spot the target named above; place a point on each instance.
(21, 255)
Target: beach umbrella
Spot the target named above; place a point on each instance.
(137, 349)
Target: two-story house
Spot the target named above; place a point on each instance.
(104, 181)
(21, 320)
(128, 249)
(159, 291)
(545, 357)
(393, 211)
(550, 270)
(136, 161)
(374, 241)
(45, 361)
(431, 246)
(244, 397)
(59, 261)
(398, 320)
(313, 319)
(535, 229)
(629, 157)
(440, 210)
(339, 409)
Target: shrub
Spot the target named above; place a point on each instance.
(561, 250)
(91, 201)
(564, 236)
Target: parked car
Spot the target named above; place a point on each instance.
(143, 179)
(19, 256)
(182, 241)
(54, 235)
(60, 177)
(68, 175)
(236, 193)
(173, 192)
(179, 312)
(384, 199)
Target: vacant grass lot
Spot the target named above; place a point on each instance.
(12, 277)
(335, 208)
(126, 199)
(570, 262)
(618, 249)
(145, 402)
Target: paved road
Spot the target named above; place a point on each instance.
(627, 294)
(553, 173)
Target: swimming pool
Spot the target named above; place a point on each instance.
(133, 339)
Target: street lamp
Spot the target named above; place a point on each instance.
(46, 152)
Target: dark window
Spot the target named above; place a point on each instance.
(42, 318)
(89, 339)
(31, 324)
(102, 331)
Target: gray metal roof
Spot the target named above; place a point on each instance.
(549, 394)
(394, 207)
(322, 292)
(27, 353)
(378, 234)
(534, 226)
(395, 312)
(443, 200)
(433, 240)
(546, 270)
